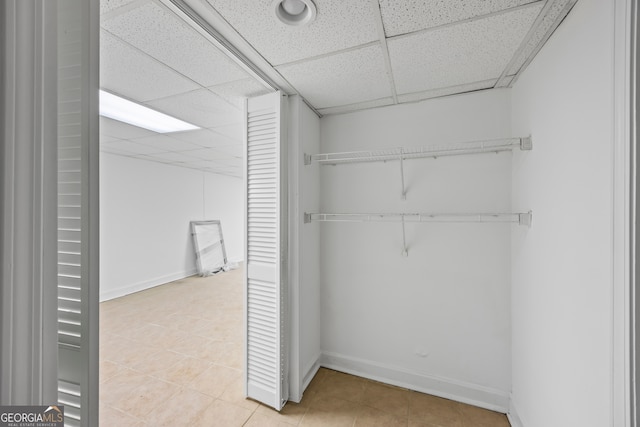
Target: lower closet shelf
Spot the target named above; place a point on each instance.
(518, 218)
(523, 218)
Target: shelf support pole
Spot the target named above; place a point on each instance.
(403, 196)
(405, 251)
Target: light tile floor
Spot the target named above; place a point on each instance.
(172, 356)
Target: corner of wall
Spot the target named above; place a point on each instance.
(513, 416)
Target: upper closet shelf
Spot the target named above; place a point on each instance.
(433, 151)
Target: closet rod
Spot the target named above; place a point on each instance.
(517, 218)
(485, 146)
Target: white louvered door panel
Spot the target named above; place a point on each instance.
(77, 211)
(265, 364)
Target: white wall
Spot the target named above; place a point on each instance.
(561, 267)
(145, 210)
(304, 247)
(438, 320)
(224, 200)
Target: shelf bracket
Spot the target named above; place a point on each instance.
(525, 219)
(403, 196)
(526, 144)
(307, 159)
(307, 218)
(405, 250)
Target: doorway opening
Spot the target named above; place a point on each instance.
(169, 338)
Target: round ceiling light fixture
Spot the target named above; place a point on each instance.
(295, 12)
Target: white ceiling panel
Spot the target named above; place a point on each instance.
(232, 150)
(109, 5)
(151, 158)
(233, 163)
(459, 54)
(106, 149)
(210, 154)
(130, 73)
(359, 106)
(406, 16)
(205, 138)
(201, 107)
(120, 130)
(435, 93)
(235, 92)
(345, 78)
(339, 25)
(173, 157)
(204, 164)
(106, 138)
(158, 32)
(234, 131)
(166, 143)
(133, 147)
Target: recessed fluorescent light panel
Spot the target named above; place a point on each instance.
(123, 110)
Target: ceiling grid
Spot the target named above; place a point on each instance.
(385, 49)
(197, 60)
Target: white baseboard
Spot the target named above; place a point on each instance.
(307, 375)
(147, 284)
(311, 372)
(460, 391)
(512, 415)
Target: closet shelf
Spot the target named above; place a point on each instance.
(517, 218)
(434, 151)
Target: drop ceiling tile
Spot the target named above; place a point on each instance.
(173, 157)
(236, 92)
(115, 129)
(109, 5)
(165, 143)
(435, 93)
(234, 131)
(345, 78)
(210, 154)
(339, 25)
(230, 163)
(128, 72)
(459, 54)
(232, 150)
(106, 138)
(204, 138)
(153, 158)
(228, 172)
(106, 149)
(133, 147)
(356, 107)
(201, 107)
(406, 16)
(202, 164)
(157, 31)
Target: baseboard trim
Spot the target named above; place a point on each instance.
(472, 394)
(311, 372)
(147, 284)
(513, 416)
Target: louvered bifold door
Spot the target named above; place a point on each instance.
(265, 364)
(77, 211)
